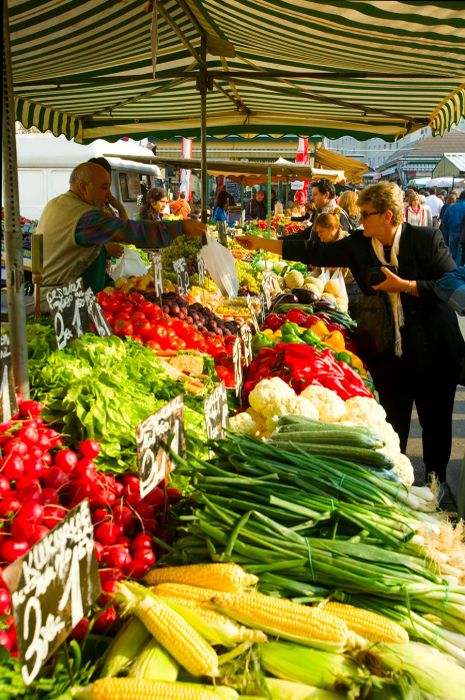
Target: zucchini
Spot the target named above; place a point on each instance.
(359, 455)
(332, 437)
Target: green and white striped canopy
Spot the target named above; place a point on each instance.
(113, 68)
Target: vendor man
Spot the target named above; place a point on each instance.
(75, 229)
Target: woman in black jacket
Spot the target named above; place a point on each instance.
(404, 262)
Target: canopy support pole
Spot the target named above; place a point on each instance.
(202, 86)
(268, 200)
(13, 234)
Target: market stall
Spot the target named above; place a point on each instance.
(178, 574)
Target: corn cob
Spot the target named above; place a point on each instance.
(198, 594)
(154, 663)
(139, 689)
(124, 647)
(170, 629)
(286, 619)
(213, 626)
(228, 577)
(369, 625)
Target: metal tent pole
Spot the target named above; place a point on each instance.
(202, 86)
(13, 235)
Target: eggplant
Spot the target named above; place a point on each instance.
(283, 298)
(305, 296)
(324, 304)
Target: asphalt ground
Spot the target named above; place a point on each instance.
(457, 458)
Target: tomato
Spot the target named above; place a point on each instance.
(126, 306)
(125, 315)
(136, 298)
(123, 327)
(146, 307)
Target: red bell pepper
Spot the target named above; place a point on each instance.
(296, 316)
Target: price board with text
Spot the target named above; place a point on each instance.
(96, 315)
(160, 431)
(253, 314)
(246, 335)
(202, 268)
(180, 268)
(215, 409)
(53, 586)
(157, 269)
(68, 309)
(237, 363)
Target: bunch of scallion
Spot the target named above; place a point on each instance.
(314, 527)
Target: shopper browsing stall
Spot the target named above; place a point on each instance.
(404, 261)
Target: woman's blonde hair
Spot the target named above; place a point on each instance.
(412, 196)
(384, 196)
(348, 202)
(327, 220)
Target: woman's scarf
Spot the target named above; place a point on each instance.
(394, 297)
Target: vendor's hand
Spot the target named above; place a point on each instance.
(114, 250)
(393, 283)
(192, 227)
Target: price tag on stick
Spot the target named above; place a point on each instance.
(237, 362)
(68, 309)
(266, 288)
(153, 436)
(262, 307)
(157, 274)
(246, 335)
(215, 409)
(96, 315)
(8, 405)
(52, 588)
(180, 267)
(202, 268)
(253, 315)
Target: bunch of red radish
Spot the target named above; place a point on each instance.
(41, 480)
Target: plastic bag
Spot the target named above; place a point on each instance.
(340, 290)
(221, 267)
(130, 264)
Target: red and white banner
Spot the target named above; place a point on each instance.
(185, 175)
(302, 158)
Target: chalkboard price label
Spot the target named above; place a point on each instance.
(153, 436)
(180, 268)
(52, 588)
(266, 288)
(157, 274)
(202, 268)
(8, 404)
(246, 335)
(237, 362)
(215, 409)
(263, 307)
(96, 315)
(253, 315)
(68, 309)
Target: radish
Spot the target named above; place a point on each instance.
(12, 549)
(89, 448)
(141, 542)
(5, 601)
(66, 460)
(144, 555)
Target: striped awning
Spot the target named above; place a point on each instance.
(116, 68)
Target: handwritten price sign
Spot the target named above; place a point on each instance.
(52, 588)
(8, 403)
(68, 308)
(153, 435)
(180, 268)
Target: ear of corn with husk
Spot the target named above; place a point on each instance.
(170, 629)
(139, 689)
(286, 619)
(228, 577)
(154, 663)
(367, 624)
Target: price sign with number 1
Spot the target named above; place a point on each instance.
(237, 362)
(246, 334)
(53, 586)
(68, 309)
(202, 268)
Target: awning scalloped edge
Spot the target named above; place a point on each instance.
(45, 119)
(449, 112)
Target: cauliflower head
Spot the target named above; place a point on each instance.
(331, 408)
(293, 406)
(267, 395)
(243, 423)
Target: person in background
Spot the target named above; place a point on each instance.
(451, 227)
(75, 230)
(220, 208)
(180, 206)
(348, 202)
(451, 199)
(435, 204)
(417, 213)
(427, 345)
(324, 199)
(155, 205)
(196, 213)
(257, 207)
